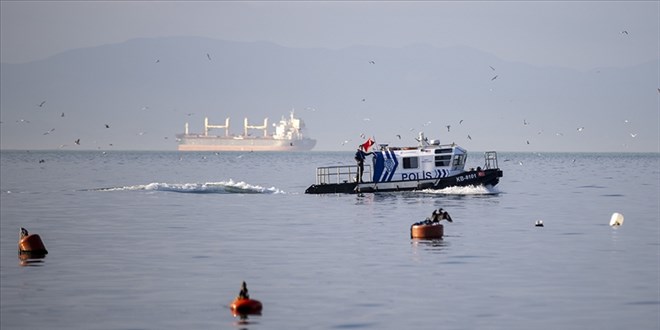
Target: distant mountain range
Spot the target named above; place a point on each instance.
(138, 94)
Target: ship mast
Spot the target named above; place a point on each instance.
(208, 126)
(264, 127)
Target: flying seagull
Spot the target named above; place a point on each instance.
(41, 105)
(448, 127)
(580, 129)
(208, 56)
(77, 142)
(372, 62)
(493, 78)
(107, 126)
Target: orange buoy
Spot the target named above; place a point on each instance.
(246, 306)
(426, 231)
(243, 304)
(31, 243)
(431, 227)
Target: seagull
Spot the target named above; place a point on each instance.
(492, 68)
(364, 100)
(448, 127)
(158, 61)
(399, 136)
(539, 223)
(209, 56)
(49, 131)
(525, 122)
(41, 105)
(624, 32)
(62, 114)
(107, 126)
(372, 62)
(580, 129)
(527, 141)
(345, 141)
(460, 122)
(469, 137)
(633, 135)
(77, 142)
(493, 78)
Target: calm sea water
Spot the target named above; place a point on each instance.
(163, 240)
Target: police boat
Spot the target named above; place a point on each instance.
(428, 165)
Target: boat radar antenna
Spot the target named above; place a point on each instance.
(423, 141)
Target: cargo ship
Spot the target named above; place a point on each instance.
(289, 135)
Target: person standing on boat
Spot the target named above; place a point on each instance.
(360, 155)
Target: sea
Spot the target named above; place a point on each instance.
(164, 240)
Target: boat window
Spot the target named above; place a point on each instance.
(459, 160)
(410, 162)
(444, 151)
(442, 160)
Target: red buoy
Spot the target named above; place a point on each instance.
(31, 243)
(426, 231)
(243, 304)
(246, 306)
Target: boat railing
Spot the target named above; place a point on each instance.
(340, 174)
(490, 158)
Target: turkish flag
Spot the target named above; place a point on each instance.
(368, 144)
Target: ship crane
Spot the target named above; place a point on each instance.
(208, 126)
(263, 127)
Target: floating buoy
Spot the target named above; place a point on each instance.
(431, 227)
(30, 243)
(243, 304)
(426, 231)
(616, 220)
(539, 223)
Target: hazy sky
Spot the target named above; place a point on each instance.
(580, 35)
(552, 33)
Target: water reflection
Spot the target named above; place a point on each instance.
(244, 320)
(30, 258)
(434, 245)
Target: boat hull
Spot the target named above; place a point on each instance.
(488, 177)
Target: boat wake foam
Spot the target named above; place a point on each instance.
(466, 190)
(223, 187)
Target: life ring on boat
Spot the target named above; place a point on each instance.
(246, 306)
(32, 244)
(426, 231)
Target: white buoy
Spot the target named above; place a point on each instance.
(616, 220)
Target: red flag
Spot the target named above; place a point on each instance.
(368, 144)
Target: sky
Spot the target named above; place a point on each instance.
(540, 33)
(576, 35)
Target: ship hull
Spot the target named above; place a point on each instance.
(201, 143)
